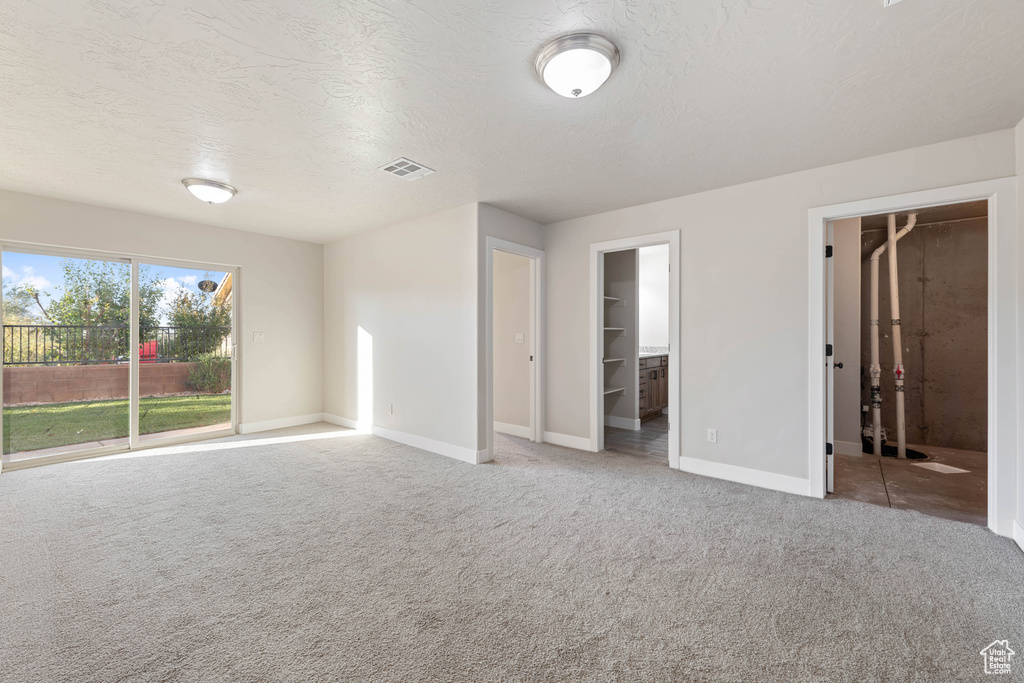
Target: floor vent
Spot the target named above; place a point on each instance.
(406, 168)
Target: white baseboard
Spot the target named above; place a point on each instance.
(512, 430)
(474, 457)
(578, 442)
(340, 421)
(849, 448)
(279, 423)
(620, 423)
(1018, 534)
(423, 443)
(745, 475)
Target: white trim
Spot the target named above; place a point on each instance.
(279, 423)
(341, 421)
(580, 443)
(133, 355)
(597, 249)
(745, 475)
(47, 249)
(421, 442)
(512, 430)
(537, 312)
(622, 422)
(1003, 380)
(849, 448)
(1018, 534)
(462, 453)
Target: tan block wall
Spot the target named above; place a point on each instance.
(63, 384)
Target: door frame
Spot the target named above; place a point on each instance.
(597, 252)
(133, 261)
(1003, 382)
(536, 258)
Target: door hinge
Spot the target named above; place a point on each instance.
(828, 350)
(531, 358)
(828, 449)
(828, 251)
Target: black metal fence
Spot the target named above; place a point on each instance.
(104, 344)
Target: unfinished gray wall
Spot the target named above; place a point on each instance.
(944, 312)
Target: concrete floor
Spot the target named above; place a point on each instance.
(913, 485)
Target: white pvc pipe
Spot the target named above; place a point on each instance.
(875, 369)
(899, 372)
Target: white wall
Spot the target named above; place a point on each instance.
(280, 290)
(653, 279)
(413, 288)
(1018, 531)
(511, 358)
(418, 289)
(744, 296)
(846, 336)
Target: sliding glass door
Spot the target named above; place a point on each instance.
(66, 348)
(185, 351)
(102, 354)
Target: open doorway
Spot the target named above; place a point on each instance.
(636, 286)
(513, 344)
(635, 347)
(513, 330)
(908, 306)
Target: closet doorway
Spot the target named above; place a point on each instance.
(634, 390)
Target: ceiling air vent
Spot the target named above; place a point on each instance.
(406, 168)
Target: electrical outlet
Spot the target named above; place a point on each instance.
(712, 436)
(257, 337)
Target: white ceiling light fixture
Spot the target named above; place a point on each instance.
(578, 64)
(209, 191)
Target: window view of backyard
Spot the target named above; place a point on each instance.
(67, 352)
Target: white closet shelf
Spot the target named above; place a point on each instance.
(612, 298)
(614, 360)
(613, 391)
(615, 329)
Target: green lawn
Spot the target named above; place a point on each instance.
(31, 428)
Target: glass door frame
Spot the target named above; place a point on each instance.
(134, 261)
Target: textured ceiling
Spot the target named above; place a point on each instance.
(298, 102)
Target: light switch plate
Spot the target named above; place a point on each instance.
(257, 337)
(520, 338)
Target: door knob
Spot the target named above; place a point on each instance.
(838, 365)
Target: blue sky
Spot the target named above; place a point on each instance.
(46, 274)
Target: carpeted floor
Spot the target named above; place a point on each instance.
(315, 554)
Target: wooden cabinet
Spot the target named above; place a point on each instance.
(653, 386)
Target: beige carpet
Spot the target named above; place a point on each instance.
(317, 555)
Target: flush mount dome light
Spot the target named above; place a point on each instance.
(209, 191)
(578, 64)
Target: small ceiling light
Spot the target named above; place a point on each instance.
(578, 64)
(209, 191)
